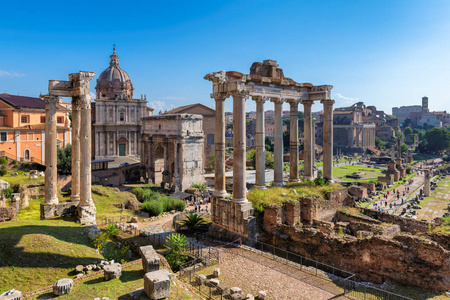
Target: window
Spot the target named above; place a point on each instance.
(60, 120)
(42, 119)
(3, 137)
(122, 117)
(210, 139)
(24, 119)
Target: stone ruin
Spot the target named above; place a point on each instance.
(156, 281)
(78, 88)
(265, 82)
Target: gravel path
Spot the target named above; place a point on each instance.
(253, 272)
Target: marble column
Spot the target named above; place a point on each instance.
(51, 171)
(308, 143)
(426, 183)
(327, 139)
(260, 160)
(219, 147)
(278, 143)
(76, 151)
(293, 176)
(239, 149)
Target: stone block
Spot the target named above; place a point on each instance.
(60, 209)
(235, 290)
(112, 271)
(200, 279)
(249, 297)
(216, 272)
(134, 220)
(214, 282)
(262, 295)
(11, 295)
(62, 286)
(136, 294)
(79, 268)
(157, 284)
(150, 259)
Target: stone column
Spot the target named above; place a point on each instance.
(76, 152)
(219, 147)
(293, 176)
(308, 143)
(176, 176)
(166, 172)
(278, 142)
(239, 150)
(327, 139)
(51, 171)
(426, 183)
(151, 162)
(260, 164)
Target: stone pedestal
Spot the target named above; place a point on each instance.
(150, 259)
(62, 286)
(51, 172)
(112, 271)
(157, 284)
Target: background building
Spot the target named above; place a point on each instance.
(22, 128)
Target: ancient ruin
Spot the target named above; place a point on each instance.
(265, 82)
(78, 88)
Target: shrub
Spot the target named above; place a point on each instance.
(408, 170)
(26, 166)
(167, 203)
(319, 182)
(179, 205)
(139, 193)
(199, 186)
(177, 253)
(3, 170)
(3, 160)
(154, 208)
(194, 222)
(7, 192)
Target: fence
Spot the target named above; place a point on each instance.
(338, 276)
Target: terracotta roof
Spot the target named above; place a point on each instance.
(181, 109)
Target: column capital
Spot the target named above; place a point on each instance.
(220, 96)
(293, 101)
(85, 101)
(50, 100)
(277, 100)
(80, 82)
(261, 99)
(307, 102)
(327, 101)
(240, 93)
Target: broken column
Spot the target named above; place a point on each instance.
(328, 139)
(293, 176)
(278, 143)
(51, 171)
(260, 161)
(308, 140)
(426, 183)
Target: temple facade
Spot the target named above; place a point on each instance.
(116, 114)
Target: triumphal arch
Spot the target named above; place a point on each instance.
(266, 82)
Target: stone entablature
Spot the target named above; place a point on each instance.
(172, 151)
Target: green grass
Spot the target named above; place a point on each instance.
(21, 178)
(107, 204)
(273, 195)
(366, 173)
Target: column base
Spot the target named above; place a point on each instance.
(220, 194)
(52, 201)
(260, 187)
(278, 183)
(75, 198)
(86, 214)
(294, 180)
(308, 177)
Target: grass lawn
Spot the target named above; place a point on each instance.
(274, 195)
(21, 178)
(366, 173)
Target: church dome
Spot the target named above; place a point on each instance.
(114, 83)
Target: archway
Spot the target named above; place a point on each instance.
(159, 164)
(26, 155)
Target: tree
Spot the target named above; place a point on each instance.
(177, 253)
(230, 125)
(194, 222)
(407, 130)
(437, 140)
(64, 160)
(269, 159)
(407, 123)
(211, 162)
(251, 155)
(379, 143)
(404, 148)
(286, 121)
(268, 144)
(286, 139)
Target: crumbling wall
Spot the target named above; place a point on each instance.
(8, 213)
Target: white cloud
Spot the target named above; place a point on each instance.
(172, 98)
(346, 100)
(159, 106)
(10, 74)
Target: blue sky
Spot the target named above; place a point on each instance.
(383, 52)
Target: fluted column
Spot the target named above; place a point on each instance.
(239, 147)
(260, 179)
(308, 143)
(76, 123)
(328, 139)
(293, 176)
(278, 142)
(219, 147)
(51, 171)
